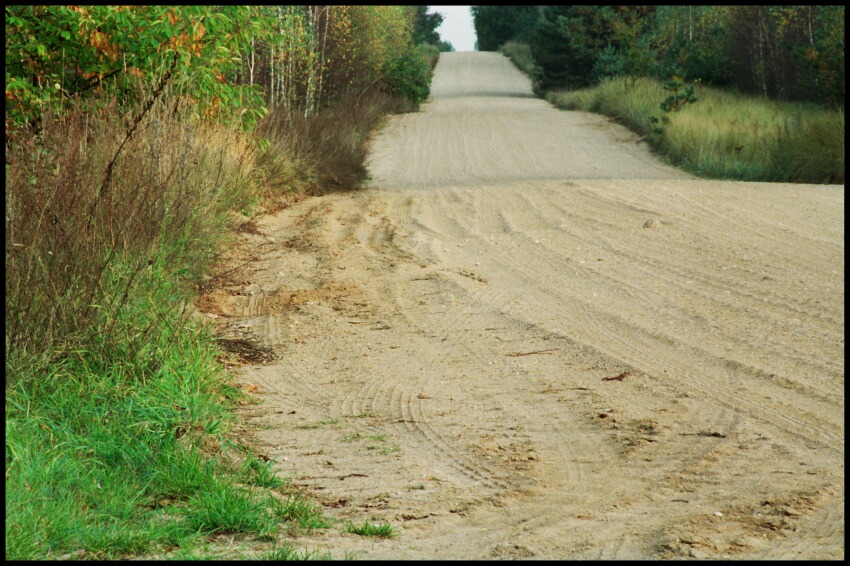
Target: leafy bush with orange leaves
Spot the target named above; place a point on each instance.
(56, 52)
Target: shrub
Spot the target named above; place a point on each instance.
(408, 75)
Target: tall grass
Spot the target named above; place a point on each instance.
(520, 55)
(725, 135)
(79, 245)
(118, 412)
(325, 151)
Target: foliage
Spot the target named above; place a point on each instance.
(495, 25)
(679, 96)
(520, 55)
(123, 174)
(56, 52)
(609, 64)
(445, 47)
(70, 225)
(408, 75)
(727, 135)
(783, 52)
(231, 59)
(577, 45)
(425, 26)
(790, 52)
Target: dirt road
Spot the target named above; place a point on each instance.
(529, 338)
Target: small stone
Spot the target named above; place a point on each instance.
(651, 223)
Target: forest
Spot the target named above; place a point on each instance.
(787, 52)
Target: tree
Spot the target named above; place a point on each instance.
(494, 25)
(425, 26)
(567, 42)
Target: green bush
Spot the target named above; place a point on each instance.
(408, 75)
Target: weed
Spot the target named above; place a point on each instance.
(228, 509)
(260, 474)
(296, 509)
(367, 529)
(118, 413)
(520, 55)
(287, 552)
(324, 151)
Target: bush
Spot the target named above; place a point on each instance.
(408, 75)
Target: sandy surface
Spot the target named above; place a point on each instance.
(531, 339)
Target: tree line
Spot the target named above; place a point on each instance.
(785, 52)
(224, 60)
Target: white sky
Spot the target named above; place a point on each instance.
(457, 26)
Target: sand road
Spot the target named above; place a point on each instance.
(529, 338)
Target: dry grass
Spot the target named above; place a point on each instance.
(322, 152)
(76, 245)
(725, 135)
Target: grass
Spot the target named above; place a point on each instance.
(367, 529)
(318, 424)
(725, 135)
(260, 474)
(120, 435)
(227, 508)
(286, 552)
(325, 151)
(299, 511)
(520, 55)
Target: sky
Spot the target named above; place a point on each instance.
(457, 26)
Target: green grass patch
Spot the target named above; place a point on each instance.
(725, 135)
(301, 512)
(286, 552)
(367, 529)
(101, 455)
(260, 474)
(227, 508)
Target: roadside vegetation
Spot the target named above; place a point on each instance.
(725, 135)
(133, 137)
(764, 84)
